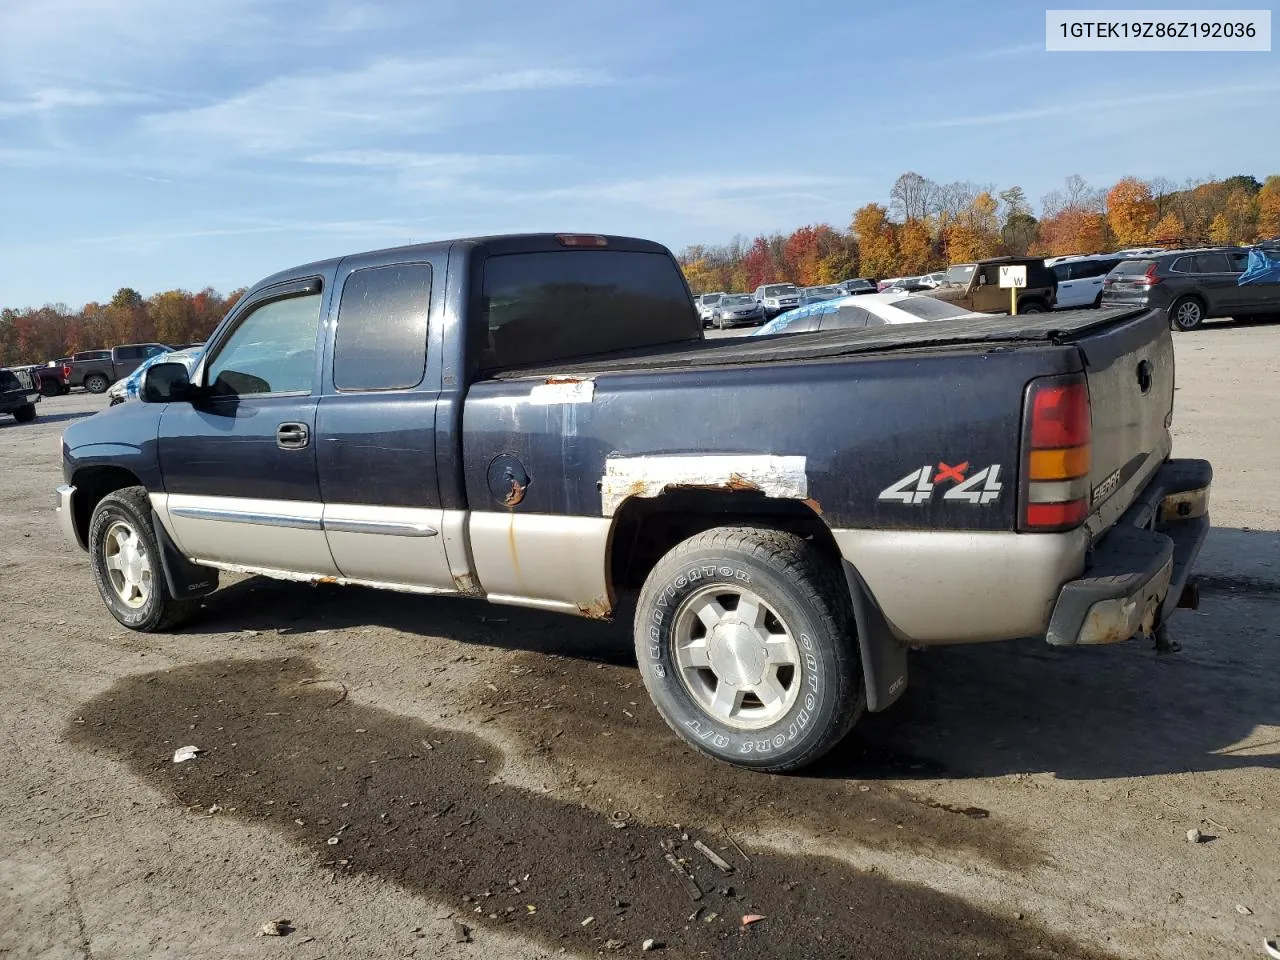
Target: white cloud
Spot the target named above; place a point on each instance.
(327, 108)
(49, 99)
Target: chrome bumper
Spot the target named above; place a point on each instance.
(66, 515)
(1139, 568)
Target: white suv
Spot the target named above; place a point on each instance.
(1080, 278)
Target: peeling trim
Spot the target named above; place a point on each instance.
(626, 477)
(563, 390)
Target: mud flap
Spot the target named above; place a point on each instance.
(884, 659)
(185, 580)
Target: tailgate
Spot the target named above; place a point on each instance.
(1129, 366)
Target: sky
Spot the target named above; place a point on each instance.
(160, 144)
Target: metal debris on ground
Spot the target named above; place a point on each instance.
(686, 878)
(721, 863)
(1194, 836)
(751, 918)
(275, 928)
(589, 921)
(652, 944)
(183, 754)
(461, 932)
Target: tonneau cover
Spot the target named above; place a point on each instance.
(1059, 327)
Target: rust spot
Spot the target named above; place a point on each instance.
(564, 380)
(814, 505)
(466, 584)
(326, 579)
(597, 609)
(515, 494)
(511, 546)
(739, 482)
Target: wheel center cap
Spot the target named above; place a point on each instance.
(737, 654)
(132, 564)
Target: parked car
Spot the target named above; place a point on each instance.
(95, 370)
(1192, 286)
(776, 298)
(908, 285)
(706, 305)
(857, 286)
(887, 282)
(976, 286)
(810, 295)
(932, 279)
(737, 309)
(127, 389)
(1079, 278)
(865, 310)
(18, 395)
(538, 449)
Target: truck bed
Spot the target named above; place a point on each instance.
(1059, 328)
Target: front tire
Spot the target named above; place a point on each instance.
(745, 642)
(1033, 306)
(1186, 314)
(26, 413)
(96, 383)
(126, 564)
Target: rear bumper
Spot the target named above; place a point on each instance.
(1136, 572)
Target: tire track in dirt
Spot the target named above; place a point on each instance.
(372, 792)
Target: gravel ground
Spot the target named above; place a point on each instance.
(379, 768)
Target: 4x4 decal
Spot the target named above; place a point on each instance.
(918, 486)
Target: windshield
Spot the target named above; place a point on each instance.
(822, 292)
(710, 299)
(740, 300)
(858, 285)
(781, 290)
(959, 274)
(928, 308)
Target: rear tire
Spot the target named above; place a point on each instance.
(25, 413)
(96, 383)
(744, 638)
(126, 564)
(1031, 306)
(1186, 314)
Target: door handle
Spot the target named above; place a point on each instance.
(292, 436)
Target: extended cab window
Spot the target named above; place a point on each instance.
(382, 328)
(272, 350)
(559, 305)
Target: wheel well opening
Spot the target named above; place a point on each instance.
(92, 484)
(645, 528)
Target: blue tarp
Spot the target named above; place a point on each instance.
(1264, 267)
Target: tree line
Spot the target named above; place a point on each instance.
(35, 335)
(926, 226)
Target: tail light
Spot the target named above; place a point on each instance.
(1149, 278)
(1057, 452)
(66, 371)
(581, 240)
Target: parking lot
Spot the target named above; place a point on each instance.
(408, 776)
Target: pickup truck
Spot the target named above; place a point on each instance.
(95, 370)
(18, 395)
(538, 420)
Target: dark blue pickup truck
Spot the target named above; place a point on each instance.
(538, 420)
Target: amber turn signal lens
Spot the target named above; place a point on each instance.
(1060, 464)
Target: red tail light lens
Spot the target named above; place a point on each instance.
(1057, 454)
(581, 240)
(1149, 278)
(66, 371)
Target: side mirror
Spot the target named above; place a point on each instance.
(982, 280)
(165, 383)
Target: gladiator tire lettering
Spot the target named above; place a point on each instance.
(791, 579)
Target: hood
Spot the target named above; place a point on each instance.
(950, 292)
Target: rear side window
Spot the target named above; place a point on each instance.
(848, 317)
(382, 328)
(9, 381)
(1211, 263)
(128, 353)
(560, 305)
(1239, 261)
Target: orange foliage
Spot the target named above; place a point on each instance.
(1131, 211)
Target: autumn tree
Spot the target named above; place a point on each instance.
(1131, 211)
(877, 242)
(915, 247)
(1169, 229)
(1269, 208)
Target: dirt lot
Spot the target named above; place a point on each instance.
(378, 767)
